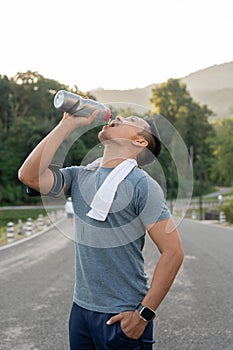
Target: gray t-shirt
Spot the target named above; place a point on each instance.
(109, 274)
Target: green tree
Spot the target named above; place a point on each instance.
(173, 101)
(168, 98)
(35, 95)
(27, 114)
(222, 145)
(6, 94)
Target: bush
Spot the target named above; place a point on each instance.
(228, 210)
(23, 214)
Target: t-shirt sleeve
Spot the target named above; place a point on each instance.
(69, 174)
(151, 203)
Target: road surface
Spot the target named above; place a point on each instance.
(36, 285)
(197, 314)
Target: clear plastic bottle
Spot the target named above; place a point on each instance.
(75, 104)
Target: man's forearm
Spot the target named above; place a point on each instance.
(164, 275)
(35, 172)
(165, 272)
(40, 158)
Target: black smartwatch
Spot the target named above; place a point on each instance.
(146, 313)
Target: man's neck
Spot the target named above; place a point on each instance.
(114, 156)
(110, 163)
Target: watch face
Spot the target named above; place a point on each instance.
(147, 314)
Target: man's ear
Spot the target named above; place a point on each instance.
(140, 141)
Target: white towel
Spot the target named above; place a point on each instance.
(103, 198)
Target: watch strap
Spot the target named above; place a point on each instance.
(139, 307)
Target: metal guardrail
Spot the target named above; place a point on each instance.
(16, 232)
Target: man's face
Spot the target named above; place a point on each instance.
(123, 128)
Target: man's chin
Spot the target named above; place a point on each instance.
(102, 137)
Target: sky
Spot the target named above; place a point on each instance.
(114, 44)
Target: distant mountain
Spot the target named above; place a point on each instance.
(217, 77)
(212, 86)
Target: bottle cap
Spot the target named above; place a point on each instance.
(59, 99)
(108, 115)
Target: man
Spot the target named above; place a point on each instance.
(69, 210)
(114, 306)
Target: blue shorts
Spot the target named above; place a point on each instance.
(88, 331)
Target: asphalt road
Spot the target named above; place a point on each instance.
(197, 314)
(36, 285)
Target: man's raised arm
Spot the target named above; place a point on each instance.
(35, 171)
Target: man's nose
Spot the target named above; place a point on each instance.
(119, 118)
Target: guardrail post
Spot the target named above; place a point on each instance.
(10, 232)
(29, 227)
(194, 215)
(40, 221)
(222, 217)
(20, 227)
(48, 220)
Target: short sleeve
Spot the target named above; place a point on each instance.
(151, 204)
(69, 174)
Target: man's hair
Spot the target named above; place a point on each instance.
(151, 135)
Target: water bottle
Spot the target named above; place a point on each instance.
(76, 105)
